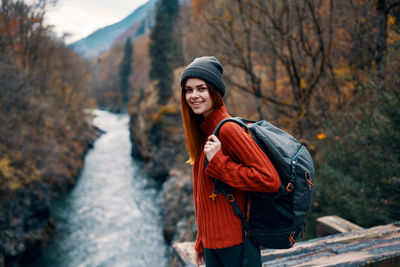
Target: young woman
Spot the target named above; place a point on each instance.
(234, 158)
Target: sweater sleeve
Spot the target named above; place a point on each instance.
(199, 245)
(245, 167)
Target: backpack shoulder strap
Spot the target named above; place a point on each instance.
(241, 121)
(223, 188)
(228, 193)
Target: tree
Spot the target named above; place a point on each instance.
(164, 48)
(383, 9)
(294, 57)
(260, 37)
(359, 173)
(125, 70)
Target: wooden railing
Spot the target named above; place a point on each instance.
(347, 245)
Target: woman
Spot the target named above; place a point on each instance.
(234, 158)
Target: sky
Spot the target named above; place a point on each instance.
(79, 18)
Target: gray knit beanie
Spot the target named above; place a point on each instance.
(208, 69)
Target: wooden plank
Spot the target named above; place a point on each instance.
(329, 225)
(377, 246)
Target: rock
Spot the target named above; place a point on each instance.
(25, 216)
(178, 207)
(158, 138)
(157, 133)
(25, 221)
(160, 143)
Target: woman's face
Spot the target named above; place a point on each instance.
(198, 97)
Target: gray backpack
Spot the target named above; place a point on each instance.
(276, 219)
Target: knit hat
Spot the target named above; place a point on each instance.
(208, 69)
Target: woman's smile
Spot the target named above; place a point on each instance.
(197, 104)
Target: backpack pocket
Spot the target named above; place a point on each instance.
(282, 238)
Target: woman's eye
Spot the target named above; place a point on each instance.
(203, 88)
(187, 90)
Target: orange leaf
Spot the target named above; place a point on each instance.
(321, 136)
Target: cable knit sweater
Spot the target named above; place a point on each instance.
(242, 165)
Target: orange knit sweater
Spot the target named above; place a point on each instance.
(242, 165)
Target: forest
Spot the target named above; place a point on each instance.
(325, 71)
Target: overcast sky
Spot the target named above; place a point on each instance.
(82, 17)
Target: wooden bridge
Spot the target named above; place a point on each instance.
(350, 246)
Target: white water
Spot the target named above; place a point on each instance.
(111, 217)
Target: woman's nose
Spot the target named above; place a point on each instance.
(195, 93)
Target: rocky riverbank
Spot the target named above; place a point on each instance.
(178, 207)
(25, 220)
(158, 138)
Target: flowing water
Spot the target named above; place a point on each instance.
(112, 215)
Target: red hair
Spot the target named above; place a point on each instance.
(191, 122)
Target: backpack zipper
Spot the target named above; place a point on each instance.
(294, 161)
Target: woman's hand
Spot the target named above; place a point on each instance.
(199, 259)
(212, 146)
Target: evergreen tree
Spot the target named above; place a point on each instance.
(125, 70)
(164, 51)
(360, 173)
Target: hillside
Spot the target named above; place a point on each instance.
(137, 23)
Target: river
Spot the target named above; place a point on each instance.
(112, 215)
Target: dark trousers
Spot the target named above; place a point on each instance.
(234, 256)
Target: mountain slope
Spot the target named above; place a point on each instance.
(101, 40)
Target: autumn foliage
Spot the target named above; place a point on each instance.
(326, 71)
(43, 132)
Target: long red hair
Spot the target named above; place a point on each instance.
(191, 122)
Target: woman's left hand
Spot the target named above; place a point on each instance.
(212, 146)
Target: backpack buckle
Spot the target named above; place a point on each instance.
(289, 187)
(308, 179)
(230, 198)
(291, 239)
